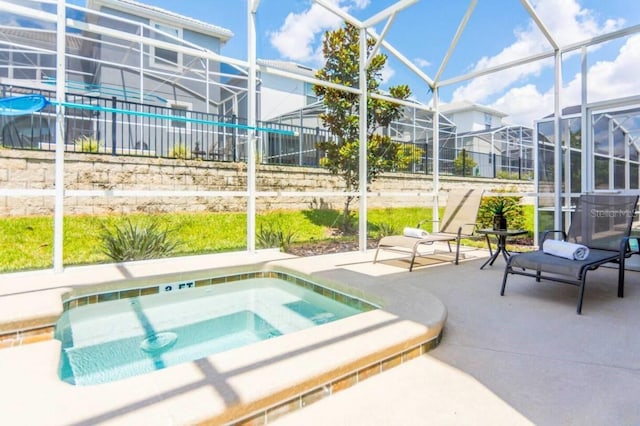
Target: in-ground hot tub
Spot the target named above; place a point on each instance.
(111, 336)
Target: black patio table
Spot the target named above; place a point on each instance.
(501, 237)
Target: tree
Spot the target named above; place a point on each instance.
(341, 49)
(464, 164)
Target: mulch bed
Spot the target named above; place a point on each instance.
(342, 246)
(327, 247)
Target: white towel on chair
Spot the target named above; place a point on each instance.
(565, 249)
(415, 232)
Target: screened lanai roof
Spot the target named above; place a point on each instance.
(379, 26)
(502, 138)
(419, 117)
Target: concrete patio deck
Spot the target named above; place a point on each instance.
(525, 358)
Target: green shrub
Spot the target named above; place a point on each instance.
(464, 164)
(180, 152)
(88, 144)
(274, 236)
(137, 242)
(385, 229)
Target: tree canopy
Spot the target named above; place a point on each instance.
(341, 50)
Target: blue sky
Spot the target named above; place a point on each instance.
(498, 32)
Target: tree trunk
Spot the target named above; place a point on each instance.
(346, 217)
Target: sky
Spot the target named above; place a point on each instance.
(498, 31)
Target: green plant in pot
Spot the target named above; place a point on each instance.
(499, 206)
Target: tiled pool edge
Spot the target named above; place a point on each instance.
(27, 336)
(45, 330)
(356, 302)
(272, 412)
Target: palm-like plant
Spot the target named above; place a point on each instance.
(499, 206)
(495, 211)
(137, 242)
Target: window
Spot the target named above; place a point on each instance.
(165, 57)
(487, 120)
(309, 94)
(180, 110)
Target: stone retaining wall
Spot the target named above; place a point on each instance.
(35, 170)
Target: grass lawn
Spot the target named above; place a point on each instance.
(26, 243)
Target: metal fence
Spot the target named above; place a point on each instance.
(119, 127)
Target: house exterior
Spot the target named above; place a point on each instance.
(496, 147)
(120, 55)
(173, 97)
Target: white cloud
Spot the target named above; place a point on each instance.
(566, 21)
(607, 80)
(299, 36)
(361, 4)
(422, 63)
(525, 104)
(386, 73)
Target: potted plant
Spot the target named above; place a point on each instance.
(499, 206)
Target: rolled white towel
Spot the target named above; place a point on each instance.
(415, 232)
(565, 249)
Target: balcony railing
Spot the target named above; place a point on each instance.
(117, 127)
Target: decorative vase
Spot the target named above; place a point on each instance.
(499, 222)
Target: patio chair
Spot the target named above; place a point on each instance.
(458, 221)
(602, 224)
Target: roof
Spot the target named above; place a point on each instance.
(463, 106)
(153, 12)
(514, 127)
(570, 110)
(44, 37)
(288, 66)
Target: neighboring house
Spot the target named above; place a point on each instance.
(495, 144)
(120, 55)
(121, 51)
(282, 95)
(471, 117)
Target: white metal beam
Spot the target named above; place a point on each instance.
(61, 72)
(254, 6)
(305, 78)
(251, 134)
(543, 55)
(491, 70)
(456, 38)
(389, 11)
(540, 24)
(399, 56)
(557, 163)
(376, 47)
(363, 147)
(340, 13)
(634, 29)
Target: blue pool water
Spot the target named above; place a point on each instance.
(108, 341)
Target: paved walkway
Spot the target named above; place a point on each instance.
(523, 358)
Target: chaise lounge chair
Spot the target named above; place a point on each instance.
(601, 224)
(458, 221)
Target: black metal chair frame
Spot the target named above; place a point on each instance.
(597, 257)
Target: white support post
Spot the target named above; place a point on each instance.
(140, 127)
(557, 163)
(58, 212)
(436, 161)
(251, 134)
(586, 177)
(362, 224)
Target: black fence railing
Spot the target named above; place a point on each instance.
(119, 127)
